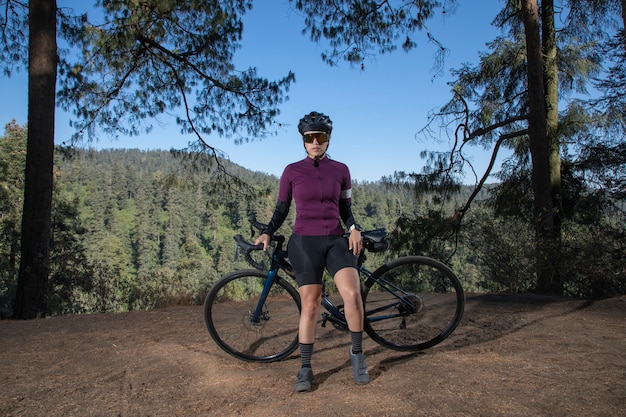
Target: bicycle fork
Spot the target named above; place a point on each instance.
(258, 313)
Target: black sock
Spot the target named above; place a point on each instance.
(306, 352)
(357, 342)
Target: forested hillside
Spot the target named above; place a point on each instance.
(143, 229)
(153, 230)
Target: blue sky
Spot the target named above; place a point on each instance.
(376, 112)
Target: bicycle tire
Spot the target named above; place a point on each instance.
(430, 308)
(228, 310)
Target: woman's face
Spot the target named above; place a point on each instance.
(316, 143)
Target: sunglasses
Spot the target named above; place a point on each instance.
(321, 137)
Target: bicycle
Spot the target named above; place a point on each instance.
(411, 303)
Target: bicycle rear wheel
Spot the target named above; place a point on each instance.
(228, 313)
(413, 303)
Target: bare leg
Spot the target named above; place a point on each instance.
(349, 286)
(310, 297)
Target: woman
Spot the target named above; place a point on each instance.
(322, 190)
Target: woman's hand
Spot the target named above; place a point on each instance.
(355, 242)
(264, 239)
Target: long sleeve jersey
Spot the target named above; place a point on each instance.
(322, 193)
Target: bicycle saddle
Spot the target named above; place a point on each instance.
(376, 240)
(376, 235)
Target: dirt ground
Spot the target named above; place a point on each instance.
(511, 356)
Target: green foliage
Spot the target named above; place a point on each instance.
(14, 24)
(502, 250)
(71, 274)
(355, 28)
(594, 259)
(149, 58)
(12, 164)
(593, 242)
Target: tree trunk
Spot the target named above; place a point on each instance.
(30, 299)
(539, 148)
(552, 283)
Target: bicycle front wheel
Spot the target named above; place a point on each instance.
(412, 303)
(229, 313)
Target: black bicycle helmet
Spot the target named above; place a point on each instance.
(315, 121)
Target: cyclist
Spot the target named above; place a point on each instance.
(321, 188)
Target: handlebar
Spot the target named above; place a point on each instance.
(248, 247)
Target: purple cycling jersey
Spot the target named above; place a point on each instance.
(316, 191)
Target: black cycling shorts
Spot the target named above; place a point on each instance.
(309, 255)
